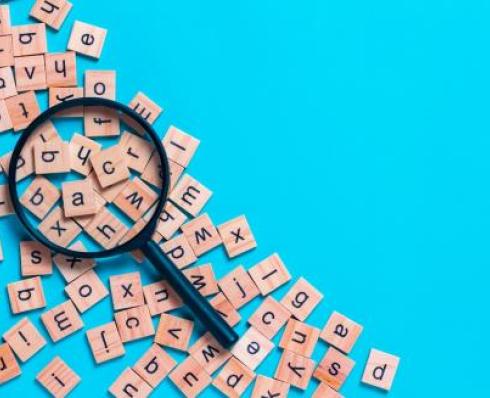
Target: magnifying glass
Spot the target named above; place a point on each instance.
(113, 188)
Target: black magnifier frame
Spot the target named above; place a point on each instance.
(200, 307)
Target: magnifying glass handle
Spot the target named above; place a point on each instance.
(200, 307)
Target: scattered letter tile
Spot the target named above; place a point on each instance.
(87, 39)
(237, 236)
(238, 287)
(59, 229)
(380, 369)
(201, 234)
(174, 332)
(81, 150)
(130, 385)
(270, 317)
(223, 307)
(161, 297)
(299, 338)
(29, 39)
(234, 378)
(295, 370)
(269, 274)
(86, 291)
(78, 198)
(324, 391)
(58, 378)
(30, 73)
(106, 229)
(62, 321)
(209, 353)
(135, 199)
(52, 157)
(170, 220)
(126, 291)
(267, 387)
(110, 166)
(72, 267)
(154, 365)
(190, 377)
(24, 339)
(180, 146)
(179, 251)
(40, 196)
(252, 348)
(10, 367)
(334, 368)
(341, 332)
(134, 323)
(301, 299)
(203, 279)
(105, 342)
(35, 259)
(190, 195)
(61, 69)
(51, 12)
(26, 295)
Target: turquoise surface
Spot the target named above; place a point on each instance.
(355, 137)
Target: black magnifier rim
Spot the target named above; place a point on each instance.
(139, 239)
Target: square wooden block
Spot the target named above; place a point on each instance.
(108, 193)
(270, 317)
(6, 50)
(238, 287)
(295, 369)
(43, 133)
(100, 83)
(78, 198)
(190, 195)
(29, 39)
(179, 251)
(270, 274)
(52, 12)
(209, 353)
(59, 229)
(301, 299)
(81, 150)
(299, 338)
(26, 295)
(223, 307)
(170, 220)
(147, 108)
(190, 377)
(52, 157)
(87, 39)
(105, 342)
(134, 323)
(35, 259)
(23, 109)
(86, 291)
(10, 367)
(61, 69)
(58, 378)
(8, 87)
(110, 166)
(58, 95)
(180, 146)
(234, 378)
(203, 279)
(24, 339)
(126, 291)
(5, 204)
(101, 121)
(72, 267)
(341, 332)
(5, 25)
(174, 332)
(201, 234)
(154, 365)
(237, 236)
(40, 196)
(106, 229)
(137, 151)
(334, 368)
(252, 348)
(135, 199)
(130, 385)
(30, 73)
(380, 369)
(5, 122)
(99, 204)
(268, 387)
(324, 391)
(161, 297)
(62, 321)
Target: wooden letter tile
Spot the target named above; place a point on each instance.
(109, 193)
(234, 378)
(237, 236)
(190, 378)
(105, 342)
(301, 299)
(35, 259)
(126, 291)
(24, 339)
(81, 151)
(190, 195)
(180, 147)
(134, 323)
(62, 321)
(40, 196)
(137, 151)
(58, 378)
(72, 267)
(87, 39)
(26, 295)
(100, 83)
(61, 69)
(110, 166)
(29, 39)
(295, 370)
(5, 122)
(238, 287)
(59, 229)
(23, 109)
(130, 385)
(86, 291)
(51, 12)
(98, 203)
(6, 50)
(252, 348)
(135, 199)
(179, 251)
(6, 205)
(380, 369)
(269, 274)
(267, 387)
(10, 368)
(209, 353)
(341, 332)
(154, 365)
(174, 332)
(299, 338)
(106, 229)
(7, 83)
(270, 317)
(201, 234)
(334, 368)
(5, 25)
(78, 198)
(52, 157)
(324, 391)
(223, 307)
(62, 94)
(148, 109)
(203, 279)
(161, 297)
(170, 220)
(101, 122)
(30, 73)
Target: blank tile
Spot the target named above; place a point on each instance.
(30, 73)
(35, 259)
(58, 378)
(52, 12)
(237, 236)
(223, 307)
(179, 251)
(252, 348)
(10, 368)
(295, 370)
(180, 146)
(301, 299)
(24, 339)
(134, 323)
(201, 234)
(40, 196)
(174, 332)
(62, 321)
(26, 295)
(341, 332)
(105, 342)
(29, 39)
(23, 109)
(190, 195)
(190, 377)
(61, 69)
(268, 387)
(86, 291)
(130, 385)
(161, 297)
(154, 365)
(270, 274)
(380, 369)
(269, 317)
(87, 39)
(59, 229)
(334, 368)
(126, 291)
(203, 279)
(300, 338)
(209, 353)
(234, 378)
(238, 287)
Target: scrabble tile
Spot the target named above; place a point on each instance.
(154, 365)
(179, 251)
(380, 369)
(201, 234)
(99, 207)
(61, 69)
(35, 259)
(5, 204)
(209, 353)
(170, 220)
(237, 236)
(6, 50)
(62, 321)
(106, 229)
(52, 157)
(105, 342)
(269, 274)
(5, 122)
(161, 297)
(100, 83)
(101, 122)
(180, 146)
(130, 385)
(81, 150)
(29, 39)
(59, 229)
(324, 391)
(87, 39)
(137, 150)
(269, 318)
(234, 378)
(145, 107)
(252, 348)
(341, 332)
(301, 299)
(24, 339)
(72, 267)
(23, 109)
(295, 370)
(223, 307)
(135, 199)
(58, 95)
(108, 193)
(126, 291)
(300, 338)
(190, 195)
(175, 171)
(7, 83)
(10, 368)
(40, 196)
(5, 25)
(52, 12)
(78, 198)
(174, 332)
(45, 132)
(25, 163)
(334, 368)
(86, 291)
(238, 287)
(30, 73)
(110, 166)
(134, 323)
(26, 295)
(203, 279)
(267, 387)
(190, 378)
(58, 378)
(153, 171)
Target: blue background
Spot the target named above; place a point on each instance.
(355, 137)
